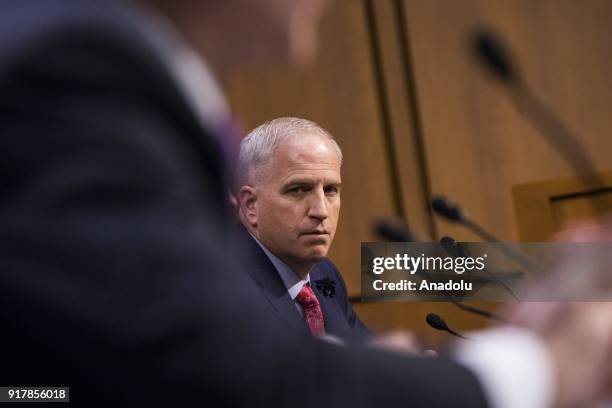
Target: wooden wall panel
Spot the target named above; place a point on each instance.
(547, 207)
(341, 93)
(477, 145)
(401, 113)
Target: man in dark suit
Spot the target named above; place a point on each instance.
(289, 170)
(115, 278)
(327, 284)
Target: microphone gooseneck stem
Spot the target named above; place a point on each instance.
(502, 283)
(556, 132)
(477, 311)
(502, 246)
(454, 333)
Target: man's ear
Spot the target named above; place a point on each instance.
(247, 198)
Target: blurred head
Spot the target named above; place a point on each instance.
(289, 171)
(236, 32)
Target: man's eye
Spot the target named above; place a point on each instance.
(296, 190)
(331, 190)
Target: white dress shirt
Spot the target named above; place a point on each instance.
(512, 365)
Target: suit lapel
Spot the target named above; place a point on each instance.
(335, 322)
(263, 272)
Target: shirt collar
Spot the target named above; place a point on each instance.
(290, 279)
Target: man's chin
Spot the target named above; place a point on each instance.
(316, 253)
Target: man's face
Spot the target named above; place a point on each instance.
(298, 200)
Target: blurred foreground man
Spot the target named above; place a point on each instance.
(289, 172)
(114, 276)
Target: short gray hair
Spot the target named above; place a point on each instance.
(257, 147)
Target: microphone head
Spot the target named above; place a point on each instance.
(492, 54)
(447, 209)
(394, 231)
(436, 322)
(450, 246)
(446, 240)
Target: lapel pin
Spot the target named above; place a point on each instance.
(326, 286)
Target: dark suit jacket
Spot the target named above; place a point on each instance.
(114, 275)
(340, 319)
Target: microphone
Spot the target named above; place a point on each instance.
(451, 246)
(438, 323)
(494, 57)
(447, 209)
(453, 212)
(492, 54)
(394, 231)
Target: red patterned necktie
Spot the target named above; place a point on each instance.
(312, 310)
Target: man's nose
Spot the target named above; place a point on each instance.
(318, 205)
